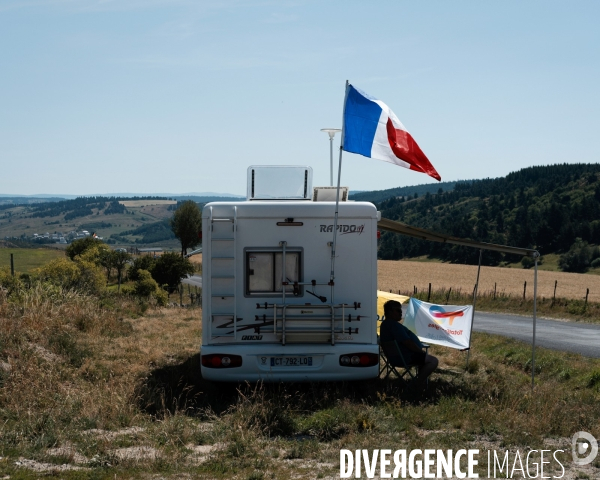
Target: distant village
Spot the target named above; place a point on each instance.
(56, 237)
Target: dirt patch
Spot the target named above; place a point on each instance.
(136, 453)
(108, 435)
(46, 467)
(45, 354)
(68, 451)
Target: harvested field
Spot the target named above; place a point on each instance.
(196, 259)
(404, 275)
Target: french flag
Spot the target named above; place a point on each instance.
(371, 129)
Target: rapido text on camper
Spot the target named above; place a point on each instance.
(343, 229)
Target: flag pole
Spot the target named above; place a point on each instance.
(474, 304)
(534, 322)
(337, 203)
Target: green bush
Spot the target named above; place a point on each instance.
(170, 268)
(79, 247)
(577, 259)
(527, 262)
(144, 262)
(79, 275)
(147, 287)
(8, 282)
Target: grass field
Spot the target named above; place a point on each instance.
(108, 387)
(27, 259)
(104, 390)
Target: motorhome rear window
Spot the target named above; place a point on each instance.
(264, 272)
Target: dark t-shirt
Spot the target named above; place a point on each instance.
(391, 330)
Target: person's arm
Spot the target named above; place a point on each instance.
(412, 346)
(402, 337)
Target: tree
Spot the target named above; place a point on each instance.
(577, 259)
(170, 268)
(120, 259)
(144, 262)
(187, 225)
(106, 261)
(78, 247)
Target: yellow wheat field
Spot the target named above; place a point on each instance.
(404, 275)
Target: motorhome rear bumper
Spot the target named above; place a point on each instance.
(267, 362)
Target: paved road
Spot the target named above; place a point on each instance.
(574, 337)
(194, 280)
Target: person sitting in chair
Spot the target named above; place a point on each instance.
(411, 347)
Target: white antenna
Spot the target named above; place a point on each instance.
(331, 132)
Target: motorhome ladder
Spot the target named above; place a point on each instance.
(223, 231)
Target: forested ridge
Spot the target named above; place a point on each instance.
(546, 207)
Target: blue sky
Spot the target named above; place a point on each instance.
(105, 96)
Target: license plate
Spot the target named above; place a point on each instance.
(291, 361)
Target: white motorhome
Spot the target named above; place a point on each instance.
(270, 311)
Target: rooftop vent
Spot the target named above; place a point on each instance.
(328, 194)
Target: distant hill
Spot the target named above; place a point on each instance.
(140, 220)
(376, 196)
(25, 200)
(118, 220)
(545, 207)
(206, 199)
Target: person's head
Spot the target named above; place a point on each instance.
(392, 310)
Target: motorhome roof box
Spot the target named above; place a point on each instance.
(279, 183)
(271, 307)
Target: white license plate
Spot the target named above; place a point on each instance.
(291, 361)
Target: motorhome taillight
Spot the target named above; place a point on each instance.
(378, 234)
(221, 360)
(359, 360)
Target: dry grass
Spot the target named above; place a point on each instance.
(196, 260)
(105, 387)
(404, 275)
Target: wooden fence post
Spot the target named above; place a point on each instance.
(429, 293)
(12, 265)
(587, 292)
(554, 297)
(524, 289)
(448, 296)
(494, 290)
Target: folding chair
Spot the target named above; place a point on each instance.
(391, 349)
